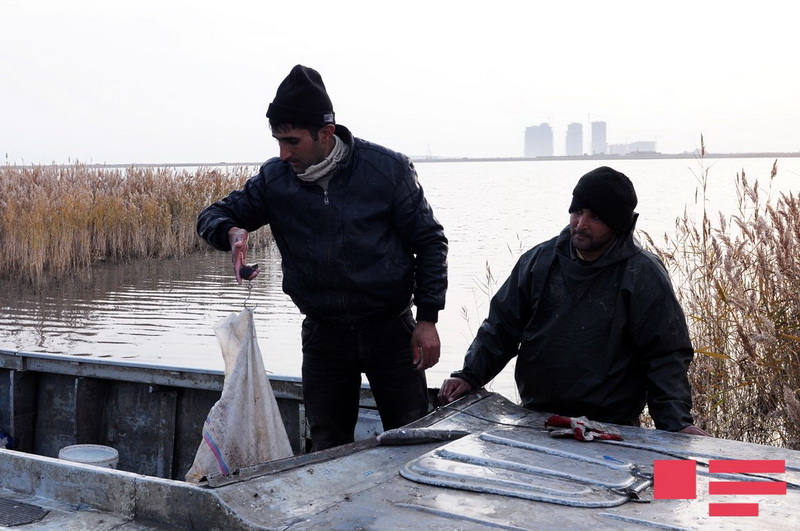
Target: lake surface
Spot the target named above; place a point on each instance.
(163, 312)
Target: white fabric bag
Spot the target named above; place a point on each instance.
(244, 427)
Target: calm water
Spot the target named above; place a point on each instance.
(163, 312)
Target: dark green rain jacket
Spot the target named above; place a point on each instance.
(597, 340)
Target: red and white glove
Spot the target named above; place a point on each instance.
(580, 428)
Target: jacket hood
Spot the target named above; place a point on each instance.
(626, 246)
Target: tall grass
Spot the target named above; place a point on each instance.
(737, 275)
(738, 279)
(54, 220)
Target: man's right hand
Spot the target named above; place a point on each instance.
(238, 239)
(453, 388)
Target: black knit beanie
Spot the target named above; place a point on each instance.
(302, 99)
(609, 194)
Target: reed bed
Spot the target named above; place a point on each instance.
(737, 275)
(56, 219)
(738, 279)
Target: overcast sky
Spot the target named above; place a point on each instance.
(143, 81)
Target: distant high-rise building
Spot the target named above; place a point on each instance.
(574, 139)
(539, 141)
(599, 143)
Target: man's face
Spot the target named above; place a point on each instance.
(299, 149)
(589, 234)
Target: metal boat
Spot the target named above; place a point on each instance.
(479, 463)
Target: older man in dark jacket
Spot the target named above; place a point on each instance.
(591, 318)
(359, 244)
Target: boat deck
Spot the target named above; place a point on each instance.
(508, 473)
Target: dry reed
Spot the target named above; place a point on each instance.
(56, 219)
(738, 279)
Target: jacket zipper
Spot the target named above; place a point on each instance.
(326, 200)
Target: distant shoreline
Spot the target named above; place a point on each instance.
(417, 160)
(629, 156)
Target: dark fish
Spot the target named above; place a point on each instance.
(400, 436)
(247, 271)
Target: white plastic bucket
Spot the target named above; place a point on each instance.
(90, 454)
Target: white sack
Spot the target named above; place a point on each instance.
(244, 427)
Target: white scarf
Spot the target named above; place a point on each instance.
(317, 171)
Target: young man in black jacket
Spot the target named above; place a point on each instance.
(591, 318)
(359, 245)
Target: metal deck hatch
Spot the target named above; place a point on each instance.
(18, 513)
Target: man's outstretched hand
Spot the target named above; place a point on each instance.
(238, 239)
(452, 389)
